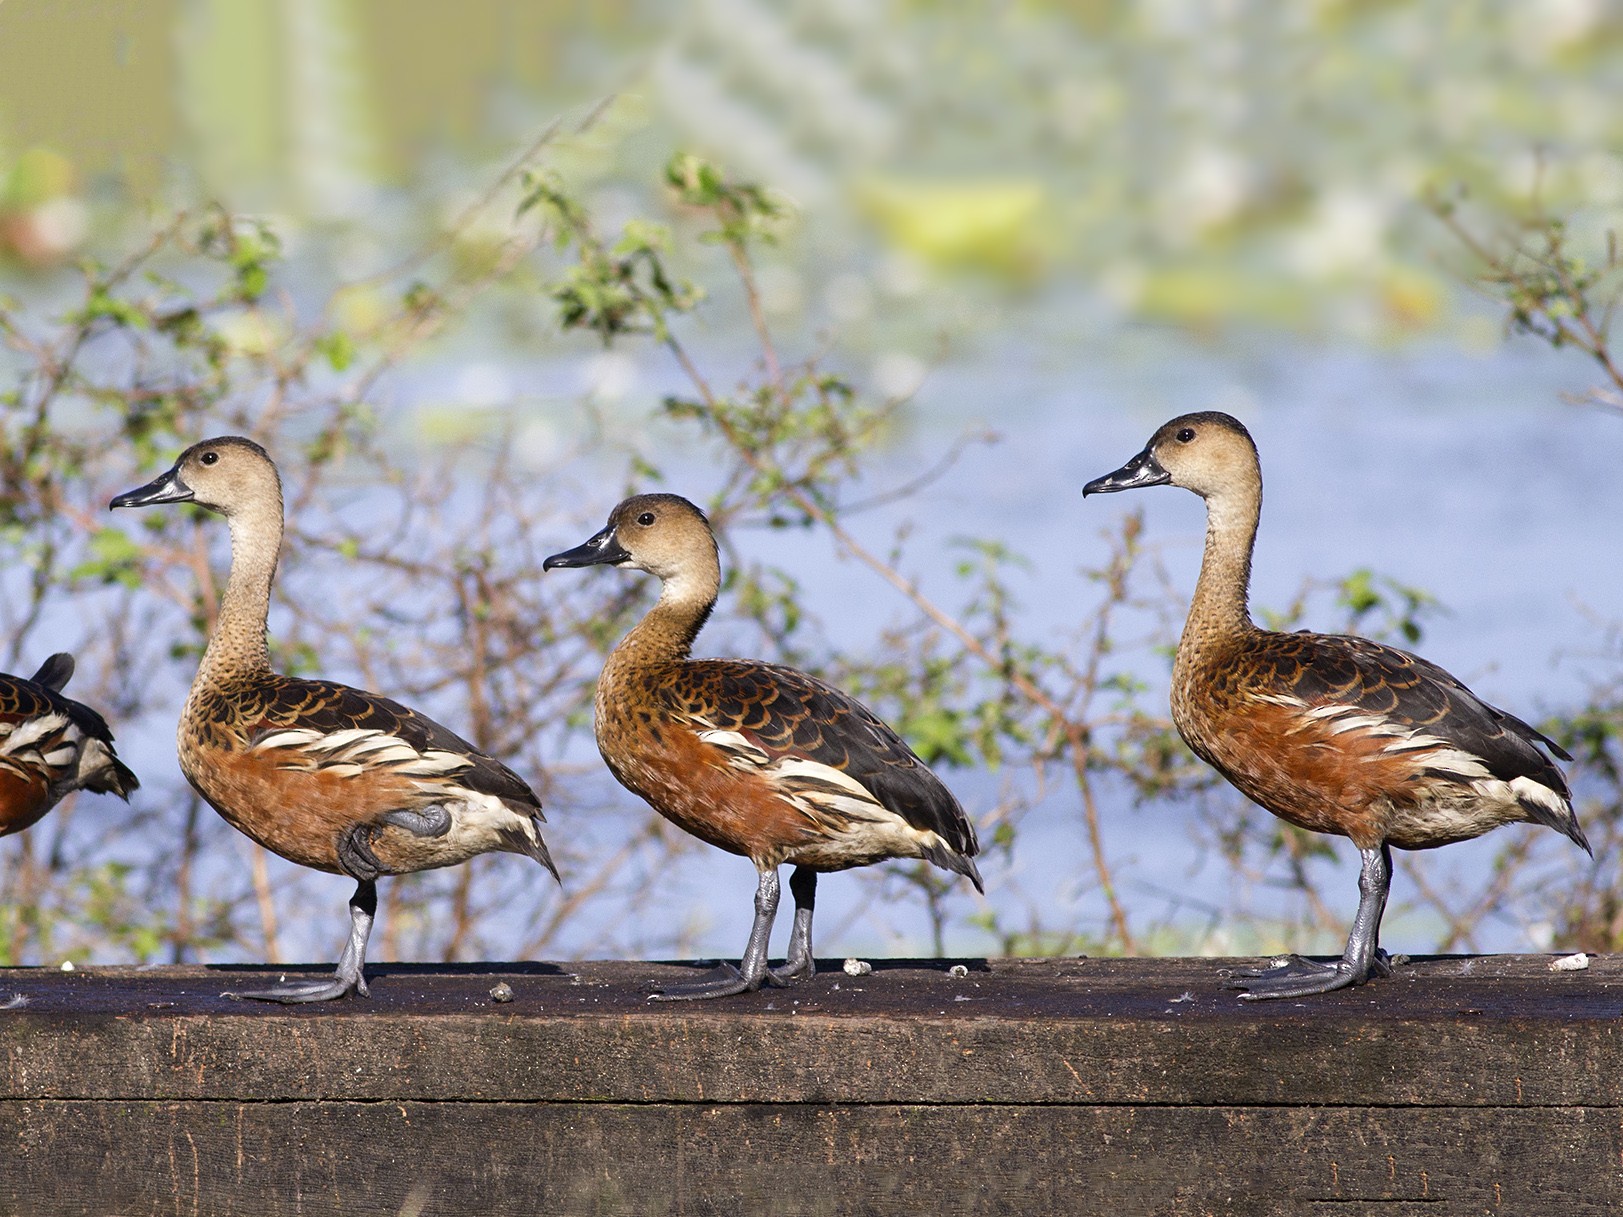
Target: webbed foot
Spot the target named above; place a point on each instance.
(727, 980)
(430, 821)
(793, 972)
(300, 991)
(1297, 976)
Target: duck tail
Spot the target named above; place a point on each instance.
(530, 844)
(118, 778)
(1543, 806)
(55, 672)
(950, 859)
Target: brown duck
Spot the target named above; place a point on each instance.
(327, 776)
(756, 759)
(1331, 733)
(51, 745)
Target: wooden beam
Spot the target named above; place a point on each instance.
(1488, 1085)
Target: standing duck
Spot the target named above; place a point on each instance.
(756, 759)
(1331, 733)
(327, 776)
(51, 745)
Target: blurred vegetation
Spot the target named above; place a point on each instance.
(1558, 279)
(1199, 163)
(439, 598)
(865, 180)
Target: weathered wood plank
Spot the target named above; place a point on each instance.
(1499, 1032)
(265, 1160)
(1131, 1086)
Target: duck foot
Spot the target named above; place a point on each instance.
(431, 821)
(348, 978)
(1297, 976)
(727, 981)
(300, 991)
(792, 972)
(730, 980)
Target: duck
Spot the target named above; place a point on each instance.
(1333, 733)
(757, 759)
(51, 745)
(329, 777)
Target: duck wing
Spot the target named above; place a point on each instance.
(1357, 684)
(69, 743)
(823, 747)
(320, 724)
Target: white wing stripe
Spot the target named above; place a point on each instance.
(354, 750)
(294, 738)
(33, 731)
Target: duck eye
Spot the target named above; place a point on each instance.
(1186, 434)
(646, 518)
(208, 458)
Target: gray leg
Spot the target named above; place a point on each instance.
(1303, 977)
(363, 908)
(799, 966)
(748, 978)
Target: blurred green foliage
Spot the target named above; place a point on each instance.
(1195, 162)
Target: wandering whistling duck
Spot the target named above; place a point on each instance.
(50, 745)
(327, 776)
(756, 759)
(1331, 733)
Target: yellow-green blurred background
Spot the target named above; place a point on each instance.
(1185, 160)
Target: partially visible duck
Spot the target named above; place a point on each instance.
(1332, 733)
(51, 745)
(756, 759)
(327, 776)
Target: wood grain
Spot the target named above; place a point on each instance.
(1134, 1086)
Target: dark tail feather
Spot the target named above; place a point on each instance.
(55, 672)
(951, 859)
(519, 843)
(1567, 825)
(118, 778)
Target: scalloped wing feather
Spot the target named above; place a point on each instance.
(1378, 727)
(324, 725)
(827, 752)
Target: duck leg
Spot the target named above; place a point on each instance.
(748, 977)
(363, 908)
(799, 966)
(1299, 977)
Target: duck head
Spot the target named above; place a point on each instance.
(662, 534)
(1208, 452)
(224, 474)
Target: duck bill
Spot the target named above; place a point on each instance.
(1142, 470)
(167, 488)
(602, 550)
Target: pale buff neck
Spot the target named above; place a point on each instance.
(666, 633)
(1218, 611)
(238, 644)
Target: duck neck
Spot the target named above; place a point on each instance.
(666, 633)
(1219, 610)
(238, 646)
